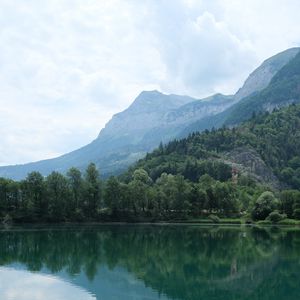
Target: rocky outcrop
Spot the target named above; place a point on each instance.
(248, 162)
(197, 110)
(261, 77)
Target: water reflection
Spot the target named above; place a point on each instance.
(21, 285)
(161, 262)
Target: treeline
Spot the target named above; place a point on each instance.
(184, 179)
(52, 199)
(84, 197)
(77, 198)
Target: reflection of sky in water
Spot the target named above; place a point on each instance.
(117, 284)
(22, 285)
(18, 284)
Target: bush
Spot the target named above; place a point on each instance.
(264, 222)
(290, 222)
(276, 217)
(297, 213)
(231, 221)
(264, 205)
(214, 218)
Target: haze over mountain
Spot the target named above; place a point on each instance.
(154, 117)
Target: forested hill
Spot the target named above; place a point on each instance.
(250, 171)
(266, 144)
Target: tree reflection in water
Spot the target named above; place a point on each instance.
(181, 262)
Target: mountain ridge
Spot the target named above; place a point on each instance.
(153, 117)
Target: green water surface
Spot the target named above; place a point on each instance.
(146, 262)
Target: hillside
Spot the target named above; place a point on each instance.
(250, 171)
(266, 147)
(282, 90)
(154, 117)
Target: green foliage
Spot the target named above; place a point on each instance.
(296, 213)
(113, 194)
(289, 201)
(58, 195)
(185, 179)
(275, 137)
(92, 192)
(214, 218)
(276, 217)
(264, 205)
(264, 222)
(289, 222)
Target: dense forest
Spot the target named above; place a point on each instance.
(185, 179)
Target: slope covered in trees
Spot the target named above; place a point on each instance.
(188, 178)
(274, 137)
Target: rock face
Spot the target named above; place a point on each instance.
(152, 118)
(148, 111)
(261, 77)
(199, 109)
(249, 162)
(276, 83)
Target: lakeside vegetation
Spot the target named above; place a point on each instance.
(187, 179)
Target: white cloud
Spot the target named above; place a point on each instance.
(67, 65)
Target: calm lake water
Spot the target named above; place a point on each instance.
(149, 262)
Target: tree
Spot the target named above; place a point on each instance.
(198, 199)
(34, 196)
(58, 196)
(8, 196)
(92, 190)
(296, 205)
(138, 189)
(287, 200)
(264, 205)
(141, 175)
(225, 192)
(75, 181)
(113, 195)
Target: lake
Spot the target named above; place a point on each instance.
(147, 262)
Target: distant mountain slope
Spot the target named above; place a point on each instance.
(283, 89)
(129, 135)
(266, 147)
(261, 77)
(154, 117)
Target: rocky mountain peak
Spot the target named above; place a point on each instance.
(262, 76)
(155, 101)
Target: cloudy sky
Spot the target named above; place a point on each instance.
(66, 66)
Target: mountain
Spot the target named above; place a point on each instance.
(282, 89)
(261, 77)
(266, 148)
(249, 170)
(154, 117)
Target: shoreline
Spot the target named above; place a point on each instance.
(40, 226)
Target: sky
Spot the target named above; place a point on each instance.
(66, 66)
